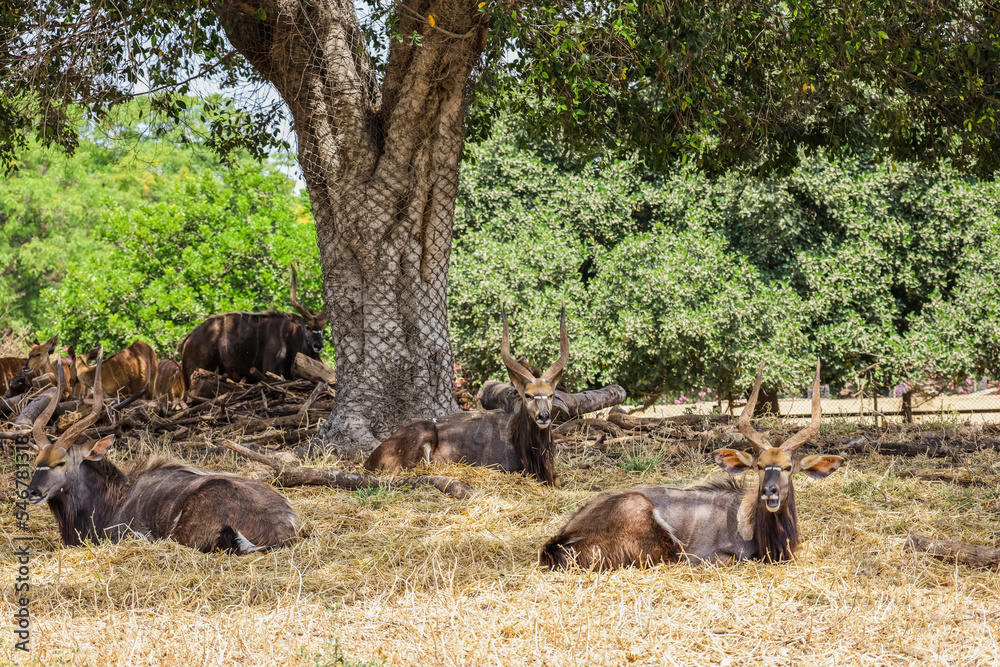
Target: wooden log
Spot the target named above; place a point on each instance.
(502, 396)
(282, 437)
(306, 476)
(313, 369)
(32, 410)
(206, 384)
(600, 425)
(950, 479)
(973, 555)
(898, 448)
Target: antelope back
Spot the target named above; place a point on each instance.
(233, 343)
(169, 385)
(125, 373)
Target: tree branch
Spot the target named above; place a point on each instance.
(305, 476)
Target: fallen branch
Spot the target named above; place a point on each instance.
(306, 476)
(973, 555)
(950, 479)
(35, 408)
(282, 437)
(898, 448)
(313, 369)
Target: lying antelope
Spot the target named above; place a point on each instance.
(39, 363)
(92, 499)
(513, 440)
(130, 371)
(715, 521)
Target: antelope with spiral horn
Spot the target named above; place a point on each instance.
(514, 440)
(92, 500)
(721, 520)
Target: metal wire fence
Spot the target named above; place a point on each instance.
(974, 401)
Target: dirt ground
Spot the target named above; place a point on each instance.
(966, 409)
(413, 577)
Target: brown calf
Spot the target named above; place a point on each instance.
(715, 521)
(169, 387)
(40, 363)
(93, 500)
(130, 371)
(515, 439)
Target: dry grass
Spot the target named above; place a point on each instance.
(416, 578)
(14, 343)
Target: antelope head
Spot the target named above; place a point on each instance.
(313, 323)
(777, 462)
(57, 468)
(38, 358)
(536, 392)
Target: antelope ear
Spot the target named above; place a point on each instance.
(819, 467)
(519, 383)
(732, 461)
(34, 341)
(52, 343)
(99, 448)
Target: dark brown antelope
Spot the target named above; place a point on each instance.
(130, 371)
(716, 521)
(234, 343)
(513, 440)
(11, 368)
(92, 500)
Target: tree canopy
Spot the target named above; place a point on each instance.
(680, 282)
(730, 84)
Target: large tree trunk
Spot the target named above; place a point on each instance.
(381, 166)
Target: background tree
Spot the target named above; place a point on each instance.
(173, 262)
(379, 103)
(679, 282)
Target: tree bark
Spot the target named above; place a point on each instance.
(908, 407)
(380, 160)
(767, 403)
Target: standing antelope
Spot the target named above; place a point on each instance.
(235, 343)
(714, 521)
(92, 499)
(512, 440)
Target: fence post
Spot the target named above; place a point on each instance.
(875, 402)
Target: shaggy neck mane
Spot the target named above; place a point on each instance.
(534, 446)
(84, 513)
(776, 533)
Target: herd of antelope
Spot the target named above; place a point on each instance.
(721, 520)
